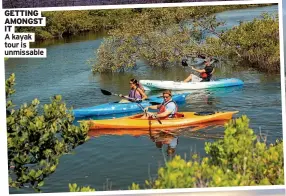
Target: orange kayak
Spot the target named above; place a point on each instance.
(135, 121)
(146, 132)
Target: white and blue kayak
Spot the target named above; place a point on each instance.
(172, 85)
(119, 108)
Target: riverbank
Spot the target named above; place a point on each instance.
(61, 24)
(62, 3)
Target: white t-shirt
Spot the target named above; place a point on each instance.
(171, 107)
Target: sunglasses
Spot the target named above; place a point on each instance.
(165, 97)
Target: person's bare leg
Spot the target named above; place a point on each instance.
(188, 78)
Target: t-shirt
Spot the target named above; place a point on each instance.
(171, 107)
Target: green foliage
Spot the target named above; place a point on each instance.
(75, 188)
(64, 23)
(37, 141)
(263, 164)
(159, 36)
(134, 186)
(257, 42)
(239, 159)
(67, 23)
(163, 36)
(228, 152)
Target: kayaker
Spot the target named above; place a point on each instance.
(136, 91)
(167, 109)
(205, 74)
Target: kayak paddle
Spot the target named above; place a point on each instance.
(105, 92)
(144, 111)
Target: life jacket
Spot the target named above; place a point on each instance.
(162, 109)
(207, 75)
(135, 94)
(204, 75)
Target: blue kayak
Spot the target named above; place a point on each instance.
(117, 108)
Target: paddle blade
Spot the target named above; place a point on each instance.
(154, 103)
(105, 92)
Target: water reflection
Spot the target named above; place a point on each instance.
(158, 137)
(166, 139)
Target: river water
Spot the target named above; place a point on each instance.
(115, 160)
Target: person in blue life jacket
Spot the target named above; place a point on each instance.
(136, 92)
(205, 74)
(167, 109)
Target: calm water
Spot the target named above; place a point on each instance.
(115, 159)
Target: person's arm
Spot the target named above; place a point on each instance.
(144, 96)
(169, 108)
(154, 107)
(126, 96)
(199, 70)
(166, 113)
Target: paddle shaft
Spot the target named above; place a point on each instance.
(127, 97)
(105, 92)
(144, 111)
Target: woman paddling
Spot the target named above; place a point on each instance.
(136, 92)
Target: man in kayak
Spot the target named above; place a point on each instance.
(136, 92)
(167, 109)
(205, 74)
